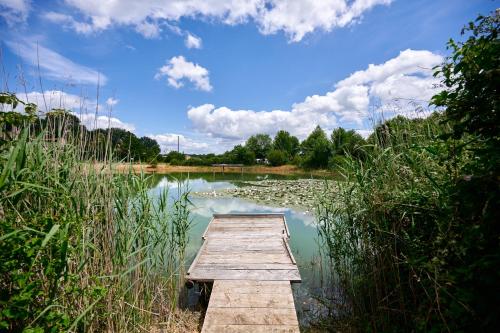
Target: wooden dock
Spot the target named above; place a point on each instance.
(248, 259)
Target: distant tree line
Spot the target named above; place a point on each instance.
(317, 151)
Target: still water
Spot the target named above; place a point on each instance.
(301, 224)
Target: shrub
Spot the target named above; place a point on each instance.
(276, 157)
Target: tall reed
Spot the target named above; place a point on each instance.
(83, 248)
(385, 233)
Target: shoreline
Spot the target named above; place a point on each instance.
(162, 168)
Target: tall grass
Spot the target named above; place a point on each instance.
(387, 233)
(83, 248)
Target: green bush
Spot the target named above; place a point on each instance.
(276, 157)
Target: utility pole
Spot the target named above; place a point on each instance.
(178, 147)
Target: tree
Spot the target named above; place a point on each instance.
(471, 76)
(243, 155)
(287, 143)
(259, 144)
(150, 148)
(346, 142)
(316, 149)
(277, 157)
(174, 156)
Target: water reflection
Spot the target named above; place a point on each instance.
(301, 225)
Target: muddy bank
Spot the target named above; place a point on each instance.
(300, 194)
(255, 169)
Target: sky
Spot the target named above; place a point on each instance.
(214, 72)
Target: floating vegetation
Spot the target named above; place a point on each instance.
(300, 194)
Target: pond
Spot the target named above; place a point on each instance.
(301, 224)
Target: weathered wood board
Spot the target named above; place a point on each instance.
(239, 306)
(248, 259)
(252, 247)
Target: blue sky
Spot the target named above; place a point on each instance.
(215, 72)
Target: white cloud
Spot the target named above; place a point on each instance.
(56, 99)
(298, 18)
(83, 108)
(54, 65)
(192, 42)
(112, 101)
(149, 30)
(398, 86)
(295, 18)
(177, 70)
(194, 144)
(15, 11)
(68, 22)
(93, 122)
(168, 142)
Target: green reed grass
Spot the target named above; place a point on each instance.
(385, 234)
(83, 248)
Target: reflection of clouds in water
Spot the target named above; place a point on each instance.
(206, 207)
(167, 183)
(194, 185)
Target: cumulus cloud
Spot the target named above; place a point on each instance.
(54, 65)
(192, 42)
(81, 107)
(194, 144)
(55, 99)
(168, 142)
(295, 18)
(92, 122)
(178, 69)
(398, 86)
(14, 11)
(149, 30)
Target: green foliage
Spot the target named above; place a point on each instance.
(174, 156)
(277, 157)
(82, 249)
(471, 77)
(259, 144)
(287, 143)
(242, 154)
(412, 236)
(347, 142)
(316, 149)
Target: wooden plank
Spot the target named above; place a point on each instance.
(250, 316)
(246, 245)
(206, 229)
(245, 266)
(286, 227)
(245, 229)
(198, 255)
(252, 215)
(289, 251)
(251, 329)
(246, 234)
(263, 283)
(248, 223)
(253, 287)
(208, 275)
(235, 300)
(249, 258)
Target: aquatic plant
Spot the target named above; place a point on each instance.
(82, 248)
(411, 237)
